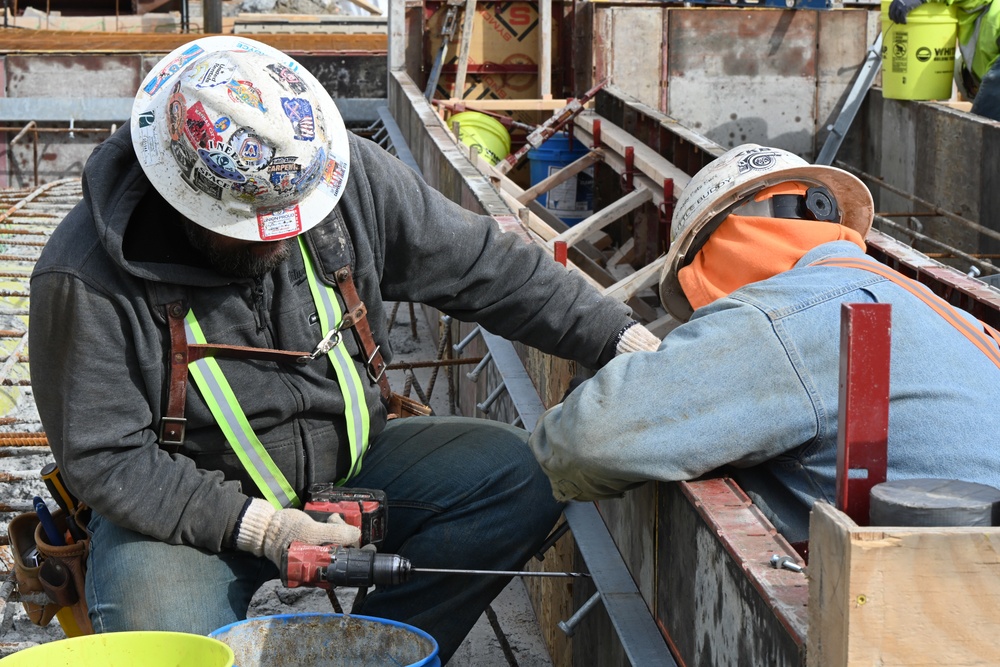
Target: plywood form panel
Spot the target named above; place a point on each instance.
(712, 611)
(631, 520)
(901, 596)
(942, 157)
(744, 75)
(635, 47)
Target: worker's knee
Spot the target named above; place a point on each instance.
(135, 582)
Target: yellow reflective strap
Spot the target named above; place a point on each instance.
(231, 419)
(351, 386)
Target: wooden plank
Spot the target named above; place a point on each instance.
(604, 217)
(513, 105)
(901, 596)
(463, 52)
(560, 176)
(545, 50)
(628, 287)
(51, 42)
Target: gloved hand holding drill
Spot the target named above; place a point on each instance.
(898, 9)
(264, 531)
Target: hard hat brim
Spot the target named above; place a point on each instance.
(152, 143)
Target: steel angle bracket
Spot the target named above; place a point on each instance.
(640, 637)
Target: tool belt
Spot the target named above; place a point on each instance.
(50, 579)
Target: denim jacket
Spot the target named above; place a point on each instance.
(752, 380)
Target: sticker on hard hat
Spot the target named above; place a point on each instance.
(221, 164)
(300, 113)
(149, 151)
(172, 68)
(216, 74)
(333, 176)
(286, 78)
(279, 224)
(250, 148)
(245, 92)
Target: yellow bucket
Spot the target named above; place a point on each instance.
(126, 649)
(484, 133)
(918, 57)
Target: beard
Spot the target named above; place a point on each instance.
(239, 259)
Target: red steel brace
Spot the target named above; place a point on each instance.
(667, 211)
(627, 176)
(597, 134)
(559, 252)
(863, 420)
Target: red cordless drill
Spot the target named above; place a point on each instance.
(366, 509)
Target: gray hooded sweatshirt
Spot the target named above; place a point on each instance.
(100, 343)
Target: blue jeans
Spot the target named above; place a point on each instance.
(987, 100)
(463, 493)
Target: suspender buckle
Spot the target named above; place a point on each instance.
(330, 341)
(369, 367)
(172, 431)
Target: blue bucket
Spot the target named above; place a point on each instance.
(572, 200)
(327, 640)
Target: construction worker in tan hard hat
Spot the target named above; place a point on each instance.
(765, 249)
(209, 338)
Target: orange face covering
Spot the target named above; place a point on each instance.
(746, 250)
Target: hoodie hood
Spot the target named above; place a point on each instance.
(114, 189)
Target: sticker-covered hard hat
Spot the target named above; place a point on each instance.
(240, 139)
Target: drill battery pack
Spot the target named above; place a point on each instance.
(367, 509)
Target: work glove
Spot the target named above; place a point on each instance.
(264, 531)
(898, 9)
(636, 338)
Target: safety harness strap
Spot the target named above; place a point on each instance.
(231, 419)
(351, 387)
(986, 339)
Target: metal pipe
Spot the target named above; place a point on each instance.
(480, 367)
(491, 399)
(468, 339)
(569, 625)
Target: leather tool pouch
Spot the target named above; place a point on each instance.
(63, 573)
(57, 572)
(403, 406)
(27, 564)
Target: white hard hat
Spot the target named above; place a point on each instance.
(240, 139)
(733, 179)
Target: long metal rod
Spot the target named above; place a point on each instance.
(981, 263)
(986, 231)
(505, 573)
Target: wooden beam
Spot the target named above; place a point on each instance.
(545, 48)
(463, 51)
(901, 596)
(511, 105)
(605, 216)
(647, 276)
(560, 176)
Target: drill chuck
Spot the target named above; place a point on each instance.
(361, 568)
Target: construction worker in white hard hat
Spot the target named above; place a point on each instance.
(765, 249)
(209, 339)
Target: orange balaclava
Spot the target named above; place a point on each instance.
(746, 250)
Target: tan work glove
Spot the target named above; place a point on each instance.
(636, 338)
(265, 531)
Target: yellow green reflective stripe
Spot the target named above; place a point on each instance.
(231, 419)
(355, 409)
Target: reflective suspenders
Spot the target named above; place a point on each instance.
(981, 338)
(221, 400)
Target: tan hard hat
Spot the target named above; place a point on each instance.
(240, 139)
(733, 178)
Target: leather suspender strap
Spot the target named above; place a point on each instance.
(977, 336)
(356, 317)
(173, 423)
